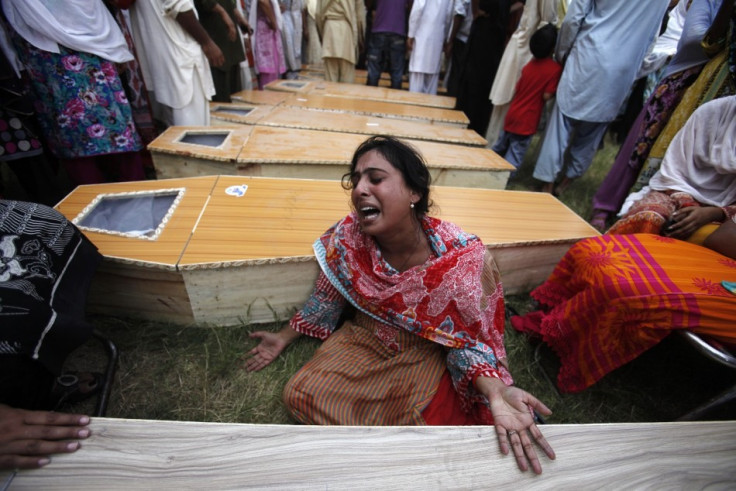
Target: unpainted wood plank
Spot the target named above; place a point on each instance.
(138, 454)
(136, 291)
(250, 293)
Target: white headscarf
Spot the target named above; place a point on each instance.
(81, 25)
(701, 160)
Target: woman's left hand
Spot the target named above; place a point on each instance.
(513, 410)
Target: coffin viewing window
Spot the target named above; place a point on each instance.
(294, 85)
(141, 214)
(206, 139)
(238, 111)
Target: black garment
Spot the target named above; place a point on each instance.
(226, 78)
(46, 267)
(483, 53)
(458, 55)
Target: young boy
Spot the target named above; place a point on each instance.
(537, 84)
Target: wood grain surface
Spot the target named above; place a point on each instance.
(171, 142)
(267, 97)
(249, 257)
(292, 117)
(377, 108)
(280, 218)
(353, 91)
(137, 454)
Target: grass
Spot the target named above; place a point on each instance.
(172, 372)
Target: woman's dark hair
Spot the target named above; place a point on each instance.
(542, 42)
(405, 158)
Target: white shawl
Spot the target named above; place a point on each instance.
(81, 25)
(701, 160)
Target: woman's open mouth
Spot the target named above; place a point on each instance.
(369, 213)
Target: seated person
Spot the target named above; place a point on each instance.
(46, 267)
(613, 297)
(696, 184)
(425, 343)
(723, 239)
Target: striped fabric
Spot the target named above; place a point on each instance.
(367, 373)
(613, 297)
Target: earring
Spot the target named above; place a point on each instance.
(411, 205)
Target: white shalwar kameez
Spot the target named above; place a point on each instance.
(291, 35)
(430, 22)
(173, 63)
(601, 45)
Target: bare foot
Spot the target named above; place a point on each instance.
(562, 186)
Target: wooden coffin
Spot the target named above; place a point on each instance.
(267, 97)
(227, 113)
(361, 78)
(143, 454)
(285, 152)
(237, 249)
(378, 108)
(293, 117)
(353, 91)
(353, 106)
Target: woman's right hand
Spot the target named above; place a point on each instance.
(270, 347)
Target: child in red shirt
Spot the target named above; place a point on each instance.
(538, 83)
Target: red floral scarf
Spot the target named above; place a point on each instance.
(441, 300)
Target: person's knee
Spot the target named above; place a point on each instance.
(294, 398)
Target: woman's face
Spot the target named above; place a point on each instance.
(381, 197)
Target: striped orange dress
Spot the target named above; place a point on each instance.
(613, 297)
(418, 341)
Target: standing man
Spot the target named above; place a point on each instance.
(341, 25)
(221, 18)
(292, 35)
(175, 54)
(454, 48)
(429, 26)
(387, 41)
(601, 45)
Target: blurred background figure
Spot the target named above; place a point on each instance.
(70, 50)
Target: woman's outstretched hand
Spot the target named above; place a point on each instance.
(512, 410)
(270, 347)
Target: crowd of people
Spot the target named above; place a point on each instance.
(410, 307)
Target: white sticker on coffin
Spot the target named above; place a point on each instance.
(238, 191)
